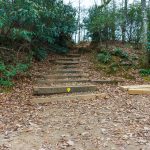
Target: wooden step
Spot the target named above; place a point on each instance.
(65, 76)
(67, 62)
(135, 86)
(68, 59)
(65, 59)
(62, 81)
(63, 89)
(69, 98)
(68, 71)
(68, 67)
(106, 81)
(139, 91)
(73, 55)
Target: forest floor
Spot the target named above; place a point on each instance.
(117, 122)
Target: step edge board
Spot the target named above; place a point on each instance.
(66, 98)
(71, 86)
(55, 81)
(63, 89)
(140, 91)
(135, 86)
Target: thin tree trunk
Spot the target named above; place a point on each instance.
(149, 32)
(107, 29)
(125, 10)
(144, 33)
(75, 37)
(79, 17)
(84, 34)
(113, 26)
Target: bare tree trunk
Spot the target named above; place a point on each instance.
(148, 23)
(144, 33)
(125, 10)
(144, 13)
(75, 37)
(81, 35)
(79, 17)
(84, 34)
(107, 32)
(113, 26)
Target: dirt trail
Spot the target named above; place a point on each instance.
(117, 122)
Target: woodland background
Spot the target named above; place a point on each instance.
(31, 29)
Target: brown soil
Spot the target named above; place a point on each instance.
(118, 122)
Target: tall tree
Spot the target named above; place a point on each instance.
(144, 33)
(114, 26)
(79, 24)
(125, 11)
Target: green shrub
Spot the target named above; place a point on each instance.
(104, 51)
(119, 52)
(41, 54)
(5, 83)
(133, 57)
(104, 57)
(22, 34)
(32, 24)
(125, 55)
(8, 72)
(145, 72)
(114, 67)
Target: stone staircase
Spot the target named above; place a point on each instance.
(66, 78)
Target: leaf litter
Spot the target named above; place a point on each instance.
(120, 121)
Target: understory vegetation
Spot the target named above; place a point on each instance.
(119, 61)
(31, 29)
(123, 23)
(111, 23)
(114, 61)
